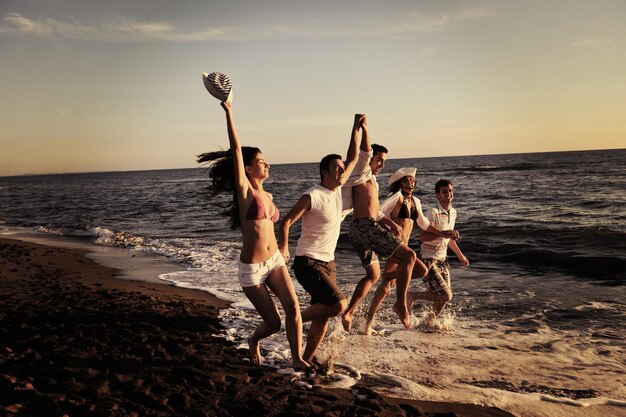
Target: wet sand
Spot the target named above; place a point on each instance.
(76, 340)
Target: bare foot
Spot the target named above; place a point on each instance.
(254, 352)
(404, 316)
(368, 327)
(299, 365)
(346, 320)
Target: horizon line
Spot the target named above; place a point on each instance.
(306, 162)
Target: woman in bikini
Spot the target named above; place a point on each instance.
(405, 210)
(242, 171)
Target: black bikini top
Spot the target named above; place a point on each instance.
(408, 210)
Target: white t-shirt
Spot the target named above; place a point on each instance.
(442, 220)
(321, 224)
(392, 200)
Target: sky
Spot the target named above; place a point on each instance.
(113, 85)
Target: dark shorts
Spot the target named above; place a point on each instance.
(438, 278)
(370, 239)
(319, 279)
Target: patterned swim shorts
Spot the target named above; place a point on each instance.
(438, 278)
(370, 238)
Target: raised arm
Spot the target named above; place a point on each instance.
(352, 156)
(302, 205)
(366, 146)
(235, 146)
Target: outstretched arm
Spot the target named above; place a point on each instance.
(235, 146)
(433, 233)
(427, 230)
(457, 251)
(302, 205)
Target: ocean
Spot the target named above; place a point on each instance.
(537, 319)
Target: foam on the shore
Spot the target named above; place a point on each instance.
(531, 372)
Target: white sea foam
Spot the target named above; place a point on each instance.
(595, 305)
(109, 237)
(50, 230)
(471, 363)
(448, 359)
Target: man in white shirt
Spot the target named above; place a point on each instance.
(321, 210)
(434, 251)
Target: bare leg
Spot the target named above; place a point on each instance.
(405, 258)
(320, 311)
(281, 285)
(314, 338)
(361, 290)
(383, 290)
(259, 297)
(440, 300)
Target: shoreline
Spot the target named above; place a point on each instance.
(77, 339)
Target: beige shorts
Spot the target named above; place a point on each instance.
(251, 275)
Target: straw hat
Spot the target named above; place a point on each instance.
(219, 85)
(401, 173)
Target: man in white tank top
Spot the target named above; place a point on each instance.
(321, 209)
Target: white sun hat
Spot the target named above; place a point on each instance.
(219, 85)
(401, 173)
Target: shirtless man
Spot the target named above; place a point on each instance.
(369, 237)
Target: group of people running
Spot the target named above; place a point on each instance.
(375, 231)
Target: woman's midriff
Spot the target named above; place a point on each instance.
(259, 241)
(407, 228)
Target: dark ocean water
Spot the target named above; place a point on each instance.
(548, 223)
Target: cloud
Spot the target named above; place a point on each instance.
(119, 29)
(591, 43)
(125, 30)
(421, 23)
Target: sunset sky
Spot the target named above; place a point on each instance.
(112, 85)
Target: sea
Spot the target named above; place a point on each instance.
(536, 323)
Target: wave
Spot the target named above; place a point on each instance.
(109, 237)
(522, 166)
(50, 231)
(185, 180)
(601, 268)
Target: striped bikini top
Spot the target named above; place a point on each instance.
(257, 211)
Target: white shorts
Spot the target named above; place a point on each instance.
(251, 275)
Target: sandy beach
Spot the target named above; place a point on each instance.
(75, 340)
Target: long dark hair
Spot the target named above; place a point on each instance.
(222, 174)
(395, 186)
